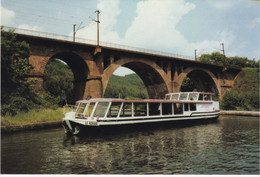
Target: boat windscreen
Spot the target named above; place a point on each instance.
(76, 106)
(89, 109)
(80, 109)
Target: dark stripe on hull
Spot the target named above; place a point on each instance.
(160, 119)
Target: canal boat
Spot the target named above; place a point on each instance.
(108, 112)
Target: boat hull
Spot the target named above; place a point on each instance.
(76, 127)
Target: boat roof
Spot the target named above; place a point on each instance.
(209, 93)
(142, 101)
(149, 100)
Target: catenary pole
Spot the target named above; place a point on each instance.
(195, 54)
(74, 32)
(98, 12)
(223, 50)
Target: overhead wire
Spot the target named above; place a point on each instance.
(32, 14)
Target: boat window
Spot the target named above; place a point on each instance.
(215, 98)
(178, 108)
(168, 97)
(114, 109)
(101, 109)
(192, 107)
(186, 107)
(207, 97)
(154, 109)
(183, 96)
(126, 110)
(201, 96)
(175, 96)
(140, 109)
(167, 108)
(80, 110)
(193, 96)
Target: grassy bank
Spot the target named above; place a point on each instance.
(31, 117)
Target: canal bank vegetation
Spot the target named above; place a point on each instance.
(32, 116)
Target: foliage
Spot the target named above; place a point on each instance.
(16, 91)
(219, 59)
(187, 85)
(247, 80)
(214, 58)
(232, 101)
(245, 92)
(33, 116)
(128, 87)
(58, 79)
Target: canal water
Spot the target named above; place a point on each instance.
(229, 145)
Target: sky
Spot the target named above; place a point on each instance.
(175, 26)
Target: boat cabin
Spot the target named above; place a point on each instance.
(173, 104)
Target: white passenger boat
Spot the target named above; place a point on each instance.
(103, 112)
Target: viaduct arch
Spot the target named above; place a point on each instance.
(79, 68)
(207, 74)
(153, 77)
(92, 67)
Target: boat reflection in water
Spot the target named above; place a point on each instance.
(101, 113)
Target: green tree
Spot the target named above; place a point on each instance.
(213, 58)
(16, 91)
(219, 59)
(238, 61)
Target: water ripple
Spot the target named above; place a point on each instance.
(228, 146)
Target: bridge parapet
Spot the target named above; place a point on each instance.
(94, 42)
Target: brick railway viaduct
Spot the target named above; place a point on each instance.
(92, 67)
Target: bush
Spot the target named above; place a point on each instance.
(252, 99)
(232, 100)
(240, 101)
